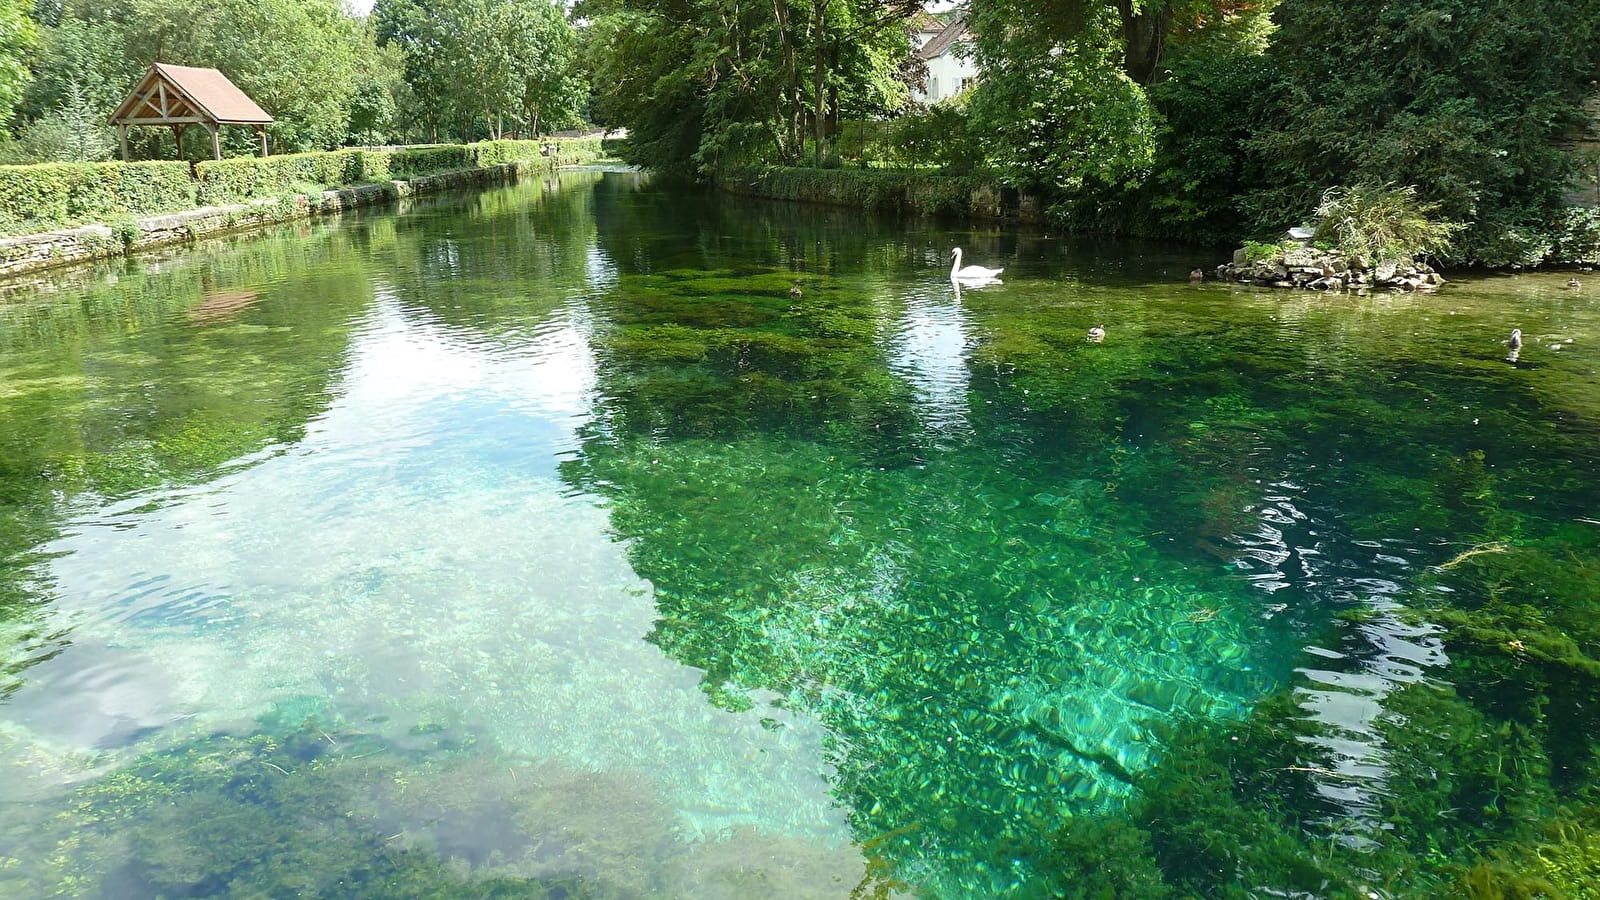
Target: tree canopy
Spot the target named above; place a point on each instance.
(510, 63)
(436, 71)
(703, 83)
(17, 36)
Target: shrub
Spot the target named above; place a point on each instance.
(1255, 251)
(567, 150)
(935, 137)
(1381, 223)
(1578, 236)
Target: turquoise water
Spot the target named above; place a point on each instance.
(591, 538)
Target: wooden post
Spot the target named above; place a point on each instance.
(262, 130)
(216, 139)
(177, 137)
(122, 139)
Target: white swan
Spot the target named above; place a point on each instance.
(970, 273)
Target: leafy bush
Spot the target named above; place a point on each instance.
(1382, 223)
(935, 137)
(72, 132)
(53, 195)
(1255, 251)
(494, 153)
(1577, 236)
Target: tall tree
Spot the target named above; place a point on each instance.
(1060, 111)
(703, 83)
(1141, 26)
(297, 58)
(17, 37)
(508, 63)
(1465, 99)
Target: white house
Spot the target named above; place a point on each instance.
(944, 49)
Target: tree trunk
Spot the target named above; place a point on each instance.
(1144, 37)
(821, 114)
(791, 72)
(833, 96)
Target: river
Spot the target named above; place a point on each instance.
(592, 538)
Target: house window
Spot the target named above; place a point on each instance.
(933, 88)
(968, 82)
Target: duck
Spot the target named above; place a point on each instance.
(970, 273)
(795, 293)
(1197, 275)
(1515, 341)
(1574, 284)
(1097, 333)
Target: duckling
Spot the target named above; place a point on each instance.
(1097, 333)
(795, 293)
(1574, 284)
(1197, 275)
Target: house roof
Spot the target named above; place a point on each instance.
(925, 21)
(169, 93)
(944, 40)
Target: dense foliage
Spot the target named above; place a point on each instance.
(16, 39)
(702, 85)
(507, 63)
(459, 70)
(34, 198)
(1205, 120)
(1462, 98)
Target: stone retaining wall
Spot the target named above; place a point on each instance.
(1584, 145)
(33, 252)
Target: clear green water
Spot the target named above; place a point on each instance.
(540, 543)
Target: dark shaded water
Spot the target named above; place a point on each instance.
(589, 539)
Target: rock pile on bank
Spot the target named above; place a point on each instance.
(1328, 270)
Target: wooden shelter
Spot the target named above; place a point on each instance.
(180, 96)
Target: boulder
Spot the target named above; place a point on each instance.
(1300, 257)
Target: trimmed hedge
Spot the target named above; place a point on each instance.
(58, 195)
(427, 160)
(231, 180)
(41, 197)
(246, 177)
(495, 153)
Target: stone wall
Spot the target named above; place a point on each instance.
(1318, 270)
(33, 252)
(1584, 145)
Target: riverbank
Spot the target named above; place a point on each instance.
(1577, 242)
(134, 232)
(889, 191)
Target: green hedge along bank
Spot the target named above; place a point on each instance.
(59, 213)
